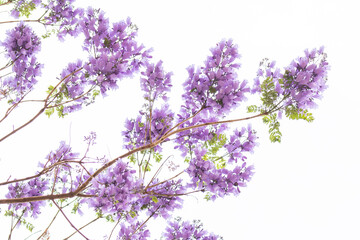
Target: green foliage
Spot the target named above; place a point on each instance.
(49, 33)
(132, 158)
(154, 199)
(208, 196)
(75, 208)
(148, 166)
(268, 93)
(29, 226)
(26, 8)
(107, 43)
(109, 218)
(295, 114)
(274, 127)
(157, 157)
(214, 145)
(132, 213)
(252, 109)
(49, 111)
(59, 97)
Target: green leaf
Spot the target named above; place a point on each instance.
(49, 112)
(212, 89)
(132, 214)
(109, 218)
(75, 208)
(154, 199)
(252, 109)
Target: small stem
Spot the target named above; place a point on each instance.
(114, 228)
(166, 180)
(69, 220)
(45, 231)
(82, 227)
(145, 221)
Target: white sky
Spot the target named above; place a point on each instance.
(307, 187)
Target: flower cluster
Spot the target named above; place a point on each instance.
(21, 45)
(215, 87)
(62, 13)
(178, 229)
(116, 190)
(133, 232)
(219, 182)
(189, 139)
(34, 187)
(303, 81)
(138, 132)
(155, 82)
(24, 7)
(240, 142)
(115, 53)
(163, 198)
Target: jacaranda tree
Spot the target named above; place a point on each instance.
(127, 191)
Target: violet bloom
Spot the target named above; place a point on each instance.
(219, 182)
(215, 87)
(117, 189)
(302, 82)
(128, 232)
(188, 139)
(21, 45)
(178, 229)
(166, 199)
(138, 132)
(241, 142)
(305, 79)
(114, 53)
(32, 188)
(23, 4)
(155, 82)
(63, 13)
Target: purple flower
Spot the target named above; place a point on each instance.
(219, 182)
(138, 132)
(215, 87)
(63, 13)
(178, 229)
(305, 79)
(34, 187)
(155, 82)
(21, 45)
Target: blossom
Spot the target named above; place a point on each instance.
(21, 45)
(178, 229)
(220, 182)
(215, 87)
(63, 13)
(155, 82)
(34, 187)
(139, 131)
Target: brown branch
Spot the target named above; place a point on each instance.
(164, 180)
(45, 231)
(114, 228)
(24, 125)
(145, 221)
(41, 110)
(69, 220)
(108, 164)
(82, 227)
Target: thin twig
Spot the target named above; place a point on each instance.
(49, 225)
(69, 220)
(82, 227)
